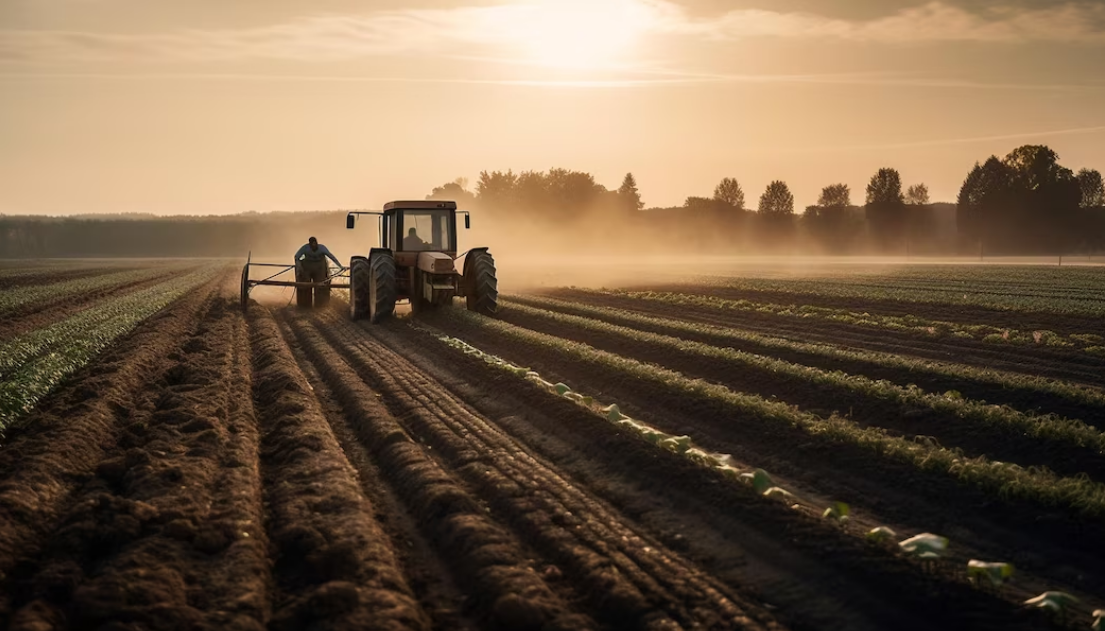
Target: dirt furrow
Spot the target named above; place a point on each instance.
(1062, 454)
(1044, 542)
(168, 534)
(1059, 364)
(334, 566)
(438, 593)
(61, 444)
(552, 512)
(507, 592)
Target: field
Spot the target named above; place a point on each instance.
(738, 451)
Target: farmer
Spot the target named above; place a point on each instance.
(310, 262)
(412, 241)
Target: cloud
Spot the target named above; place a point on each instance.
(502, 29)
(933, 22)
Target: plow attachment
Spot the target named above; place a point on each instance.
(303, 288)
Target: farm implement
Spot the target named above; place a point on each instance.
(307, 293)
(416, 262)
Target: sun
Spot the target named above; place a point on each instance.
(578, 33)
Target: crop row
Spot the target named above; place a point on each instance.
(21, 296)
(32, 364)
(826, 354)
(1074, 495)
(1025, 289)
(1006, 424)
(1089, 342)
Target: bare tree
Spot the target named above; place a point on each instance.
(729, 192)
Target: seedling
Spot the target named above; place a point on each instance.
(838, 512)
(1057, 603)
(996, 573)
(1099, 620)
(925, 546)
(881, 534)
(759, 479)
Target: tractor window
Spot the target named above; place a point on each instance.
(426, 231)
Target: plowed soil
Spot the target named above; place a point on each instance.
(280, 469)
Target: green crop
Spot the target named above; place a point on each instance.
(1077, 495)
(1000, 418)
(32, 365)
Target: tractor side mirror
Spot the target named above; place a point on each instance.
(467, 221)
(350, 220)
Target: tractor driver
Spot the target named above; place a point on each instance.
(412, 241)
(310, 262)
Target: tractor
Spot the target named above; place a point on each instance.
(417, 262)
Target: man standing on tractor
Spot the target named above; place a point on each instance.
(310, 266)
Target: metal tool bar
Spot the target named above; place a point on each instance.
(292, 283)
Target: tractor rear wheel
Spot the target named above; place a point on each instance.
(382, 288)
(482, 287)
(360, 281)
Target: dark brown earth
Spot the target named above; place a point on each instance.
(289, 470)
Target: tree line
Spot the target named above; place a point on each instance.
(1024, 203)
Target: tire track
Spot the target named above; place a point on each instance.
(566, 524)
(334, 566)
(507, 592)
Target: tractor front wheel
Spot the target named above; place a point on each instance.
(382, 291)
(481, 285)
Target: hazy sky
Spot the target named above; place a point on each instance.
(209, 106)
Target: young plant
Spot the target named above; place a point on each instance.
(994, 572)
(838, 512)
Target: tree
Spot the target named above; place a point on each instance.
(885, 188)
(835, 196)
(495, 189)
(917, 195)
(1093, 190)
(777, 200)
(729, 192)
(456, 191)
(628, 193)
(886, 211)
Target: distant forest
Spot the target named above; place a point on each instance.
(1023, 204)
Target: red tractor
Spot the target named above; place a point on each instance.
(417, 262)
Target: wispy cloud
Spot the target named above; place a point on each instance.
(933, 22)
(500, 29)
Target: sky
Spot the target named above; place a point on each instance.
(208, 106)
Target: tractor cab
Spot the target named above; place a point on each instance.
(416, 261)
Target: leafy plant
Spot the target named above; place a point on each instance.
(994, 572)
(839, 512)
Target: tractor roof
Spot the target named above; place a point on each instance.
(421, 205)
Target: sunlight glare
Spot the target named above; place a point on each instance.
(580, 33)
